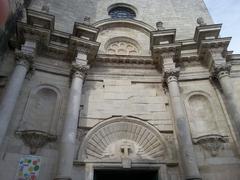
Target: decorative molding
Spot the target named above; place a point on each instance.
(122, 47)
(102, 24)
(221, 70)
(205, 31)
(124, 139)
(124, 59)
(171, 75)
(212, 143)
(208, 44)
(40, 19)
(35, 139)
(79, 70)
(20, 55)
(57, 44)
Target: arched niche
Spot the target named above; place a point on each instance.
(124, 138)
(42, 110)
(127, 29)
(201, 114)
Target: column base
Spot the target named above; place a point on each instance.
(62, 178)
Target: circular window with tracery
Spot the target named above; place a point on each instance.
(122, 48)
(121, 11)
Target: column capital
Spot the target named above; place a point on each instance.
(221, 70)
(24, 59)
(79, 70)
(26, 55)
(171, 75)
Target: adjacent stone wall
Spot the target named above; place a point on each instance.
(125, 92)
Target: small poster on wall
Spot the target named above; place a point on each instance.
(28, 168)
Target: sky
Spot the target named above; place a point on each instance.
(227, 12)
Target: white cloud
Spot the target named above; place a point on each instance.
(228, 13)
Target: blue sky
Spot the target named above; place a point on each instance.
(227, 12)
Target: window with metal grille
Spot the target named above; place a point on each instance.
(122, 13)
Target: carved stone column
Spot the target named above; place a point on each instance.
(68, 139)
(188, 159)
(221, 72)
(24, 61)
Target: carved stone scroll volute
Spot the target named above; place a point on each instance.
(35, 139)
(212, 143)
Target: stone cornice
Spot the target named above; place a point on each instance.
(40, 19)
(187, 44)
(163, 48)
(26, 31)
(159, 52)
(124, 59)
(213, 43)
(213, 50)
(166, 36)
(83, 45)
(207, 31)
(102, 24)
(83, 30)
(233, 58)
(57, 44)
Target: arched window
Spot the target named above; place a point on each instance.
(121, 12)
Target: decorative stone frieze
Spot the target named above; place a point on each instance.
(124, 59)
(122, 48)
(124, 139)
(213, 49)
(35, 139)
(213, 143)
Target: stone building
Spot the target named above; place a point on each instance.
(110, 89)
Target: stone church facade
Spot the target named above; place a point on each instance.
(99, 90)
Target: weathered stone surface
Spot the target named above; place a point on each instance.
(113, 109)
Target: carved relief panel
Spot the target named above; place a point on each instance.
(122, 48)
(124, 140)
